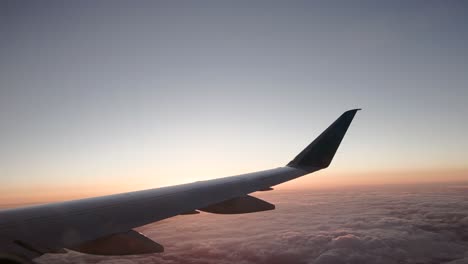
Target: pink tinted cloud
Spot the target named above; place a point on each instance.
(384, 225)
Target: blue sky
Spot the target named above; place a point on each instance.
(158, 93)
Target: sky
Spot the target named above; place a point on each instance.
(110, 96)
(388, 225)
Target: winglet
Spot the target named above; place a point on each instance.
(319, 153)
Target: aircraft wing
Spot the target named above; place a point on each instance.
(104, 225)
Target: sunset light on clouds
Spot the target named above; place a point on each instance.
(403, 224)
(106, 97)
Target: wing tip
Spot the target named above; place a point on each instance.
(353, 110)
(321, 151)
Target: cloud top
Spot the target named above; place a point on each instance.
(384, 225)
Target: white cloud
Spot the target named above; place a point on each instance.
(428, 225)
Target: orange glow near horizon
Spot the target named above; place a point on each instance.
(332, 178)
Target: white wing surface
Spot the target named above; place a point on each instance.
(104, 225)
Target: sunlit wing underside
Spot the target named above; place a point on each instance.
(28, 232)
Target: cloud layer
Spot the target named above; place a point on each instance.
(427, 224)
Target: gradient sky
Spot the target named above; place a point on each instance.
(98, 97)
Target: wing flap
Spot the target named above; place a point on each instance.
(128, 243)
(239, 205)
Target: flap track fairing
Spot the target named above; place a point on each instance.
(239, 205)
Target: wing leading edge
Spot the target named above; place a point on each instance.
(29, 232)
